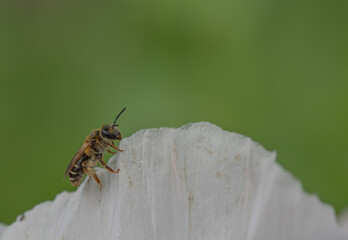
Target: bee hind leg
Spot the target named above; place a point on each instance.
(96, 178)
(91, 173)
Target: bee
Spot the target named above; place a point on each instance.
(92, 152)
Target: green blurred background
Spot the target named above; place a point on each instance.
(275, 71)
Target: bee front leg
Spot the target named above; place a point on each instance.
(101, 161)
(110, 151)
(113, 146)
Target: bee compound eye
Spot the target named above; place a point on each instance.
(108, 134)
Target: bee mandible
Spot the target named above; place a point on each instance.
(92, 152)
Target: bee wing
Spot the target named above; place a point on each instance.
(77, 157)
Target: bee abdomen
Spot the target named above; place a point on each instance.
(76, 173)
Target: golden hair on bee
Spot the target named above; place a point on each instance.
(91, 152)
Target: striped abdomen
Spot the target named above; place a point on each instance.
(76, 173)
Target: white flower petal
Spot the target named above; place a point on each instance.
(196, 182)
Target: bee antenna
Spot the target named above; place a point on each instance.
(118, 116)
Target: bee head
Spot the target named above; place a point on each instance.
(111, 131)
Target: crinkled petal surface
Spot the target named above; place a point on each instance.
(195, 182)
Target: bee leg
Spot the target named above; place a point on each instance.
(113, 146)
(89, 179)
(91, 173)
(110, 151)
(101, 161)
(96, 178)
